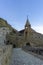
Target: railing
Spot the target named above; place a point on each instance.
(37, 50)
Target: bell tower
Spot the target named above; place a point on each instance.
(27, 30)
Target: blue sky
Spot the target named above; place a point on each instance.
(16, 11)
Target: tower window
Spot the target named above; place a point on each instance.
(29, 25)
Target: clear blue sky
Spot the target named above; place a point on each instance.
(16, 11)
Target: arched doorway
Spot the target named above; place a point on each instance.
(14, 46)
(28, 44)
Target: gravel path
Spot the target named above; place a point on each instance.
(19, 57)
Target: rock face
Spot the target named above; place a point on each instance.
(3, 32)
(3, 23)
(5, 28)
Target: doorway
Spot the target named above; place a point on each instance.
(14, 46)
(28, 44)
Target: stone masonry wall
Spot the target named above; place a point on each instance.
(5, 54)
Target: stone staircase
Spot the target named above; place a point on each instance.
(19, 57)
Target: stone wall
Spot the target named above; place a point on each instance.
(5, 54)
(3, 32)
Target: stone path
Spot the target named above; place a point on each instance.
(19, 57)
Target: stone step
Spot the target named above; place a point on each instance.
(19, 57)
